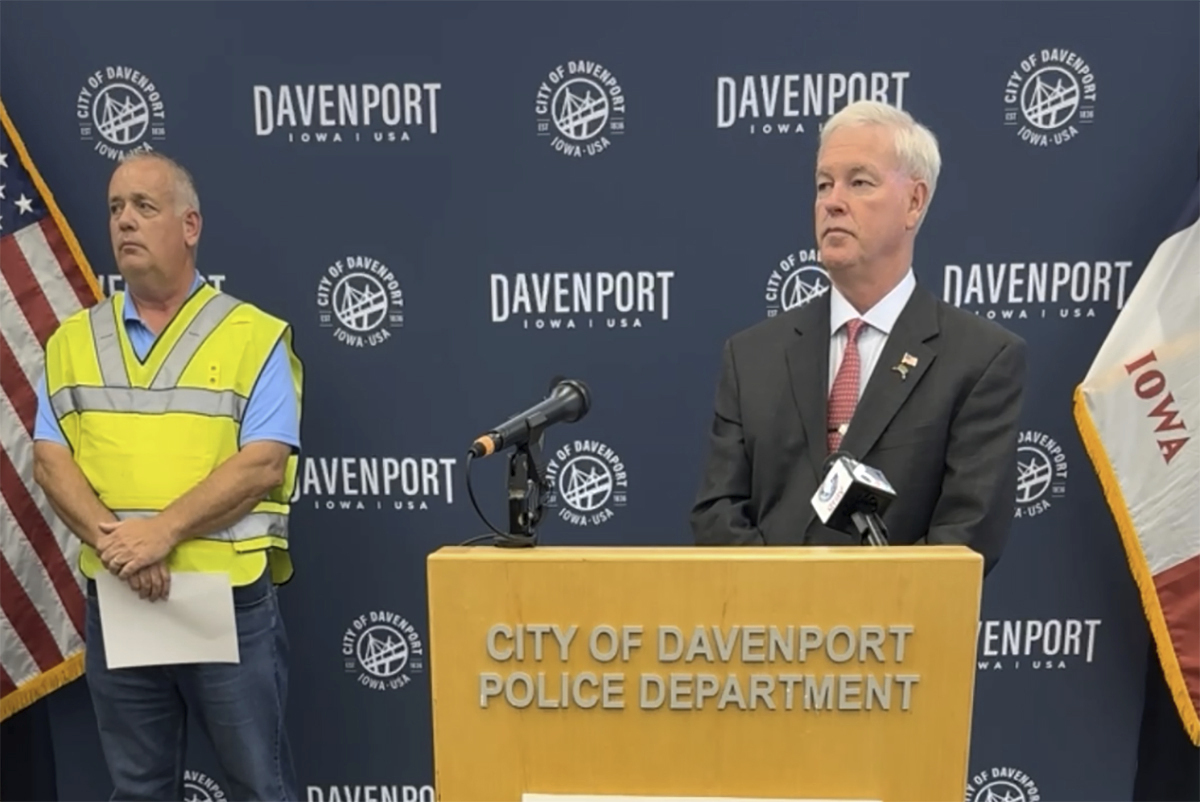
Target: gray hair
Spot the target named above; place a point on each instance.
(916, 146)
(185, 193)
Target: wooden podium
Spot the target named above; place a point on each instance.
(797, 673)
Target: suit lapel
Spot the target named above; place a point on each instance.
(808, 367)
(888, 389)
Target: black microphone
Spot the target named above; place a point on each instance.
(853, 497)
(569, 400)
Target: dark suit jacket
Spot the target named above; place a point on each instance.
(945, 436)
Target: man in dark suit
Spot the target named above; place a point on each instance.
(877, 366)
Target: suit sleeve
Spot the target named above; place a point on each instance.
(976, 503)
(722, 514)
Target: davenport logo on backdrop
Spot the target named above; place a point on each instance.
(360, 299)
(1041, 473)
(370, 793)
(1051, 92)
(781, 104)
(1002, 784)
(121, 110)
(1039, 290)
(798, 279)
(375, 483)
(383, 649)
(199, 787)
(588, 482)
(579, 105)
(326, 114)
(582, 299)
(1035, 645)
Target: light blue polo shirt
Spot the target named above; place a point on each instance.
(271, 412)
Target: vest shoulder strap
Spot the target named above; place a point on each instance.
(103, 320)
(214, 312)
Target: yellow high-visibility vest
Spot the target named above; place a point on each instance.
(144, 433)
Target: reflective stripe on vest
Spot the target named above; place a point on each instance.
(118, 394)
(250, 527)
(214, 403)
(103, 318)
(203, 324)
(108, 344)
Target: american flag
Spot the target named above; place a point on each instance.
(44, 278)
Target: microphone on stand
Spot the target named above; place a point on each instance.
(527, 484)
(569, 400)
(853, 497)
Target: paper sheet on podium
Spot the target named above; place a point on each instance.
(194, 624)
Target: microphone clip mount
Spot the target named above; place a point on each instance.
(871, 528)
(527, 489)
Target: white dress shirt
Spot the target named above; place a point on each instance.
(880, 319)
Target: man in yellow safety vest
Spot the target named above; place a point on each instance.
(167, 438)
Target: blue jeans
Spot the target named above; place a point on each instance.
(142, 712)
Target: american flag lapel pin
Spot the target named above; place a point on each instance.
(906, 362)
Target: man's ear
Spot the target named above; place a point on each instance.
(918, 200)
(192, 223)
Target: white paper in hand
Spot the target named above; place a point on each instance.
(194, 624)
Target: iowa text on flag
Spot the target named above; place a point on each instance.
(44, 278)
(1138, 411)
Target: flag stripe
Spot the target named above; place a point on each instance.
(30, 627)
(21, 339)
(1179, 591)
(36, 580)
(45, 545)
(16, 387)
(26, 289)
(18, 662)
(44, 269)
(62, 252)
(18, 445)
(7, 685)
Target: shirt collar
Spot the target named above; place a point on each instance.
(882, 316)
(129, 313)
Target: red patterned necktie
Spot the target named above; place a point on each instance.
(844, 395)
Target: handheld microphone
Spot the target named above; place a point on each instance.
(853, 497)
(569, 400)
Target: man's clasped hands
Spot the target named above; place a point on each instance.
(136, 551)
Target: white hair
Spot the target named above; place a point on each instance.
(916, 146)
(185, 193)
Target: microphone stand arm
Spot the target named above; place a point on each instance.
(527, 488)
(871, 527)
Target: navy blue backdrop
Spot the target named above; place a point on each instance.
(454, 202)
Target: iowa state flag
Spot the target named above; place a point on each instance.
(1138, 412)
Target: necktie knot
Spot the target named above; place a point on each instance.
(854, 327)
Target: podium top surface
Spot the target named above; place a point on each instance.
(918, 554)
